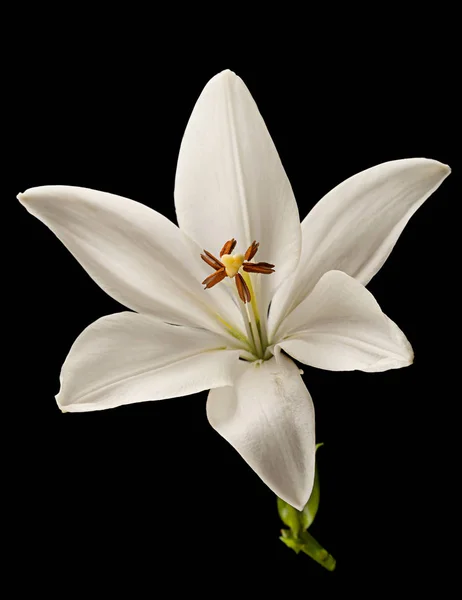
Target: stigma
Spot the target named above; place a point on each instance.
(230, 264)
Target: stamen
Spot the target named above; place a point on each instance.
(217, 262)
(228, 247)
(210, 262)
(242, 289)
(214, 278)
(264, 268)
(251, 250)
(264, 264)
(231, 264)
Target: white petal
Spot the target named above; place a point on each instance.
(356, 225)
(230, 181)
(135, 254)
(340, 327)
(268, 416)
(126, 358)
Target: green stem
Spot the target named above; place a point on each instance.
(314, 549)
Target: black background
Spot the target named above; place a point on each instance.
(151, 493)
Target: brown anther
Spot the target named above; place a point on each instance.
(214, 278)
(264, 264)
(228, 247)
(251, 250)
(213, 262)
(233, 264)
(242, 289)
(263, 268)
(210, 262)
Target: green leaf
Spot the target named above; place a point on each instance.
(290, 516)
(311, 507)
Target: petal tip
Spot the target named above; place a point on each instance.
(297, 496)
(299, 501)
(440, 167)
(223, 77)
(409, 360)
(28, 195)
(443, 167)
(404, 350)
(227, 73)
(407, 351)
(62, 408)
(298, 505)
(447, 169)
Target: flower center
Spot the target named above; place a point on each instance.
(229, 265)
(232, 262)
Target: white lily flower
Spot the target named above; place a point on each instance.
(307, 300)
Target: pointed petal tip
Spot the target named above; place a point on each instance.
(405, 360)
(298, 505)
(222, 77)
(34, 192)
(407, 357)
(27, 194)
(298, 500)
(438, 167)
(63, 409)
(25, 198)
(428, 163)
(410, 354)
(409, 360)
(446, 169)
(227, 73)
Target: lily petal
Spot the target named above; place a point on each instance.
(229, 174)
(356, 225)
(126, 358)
(340, 327)
(268, 416)
(135, 254)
